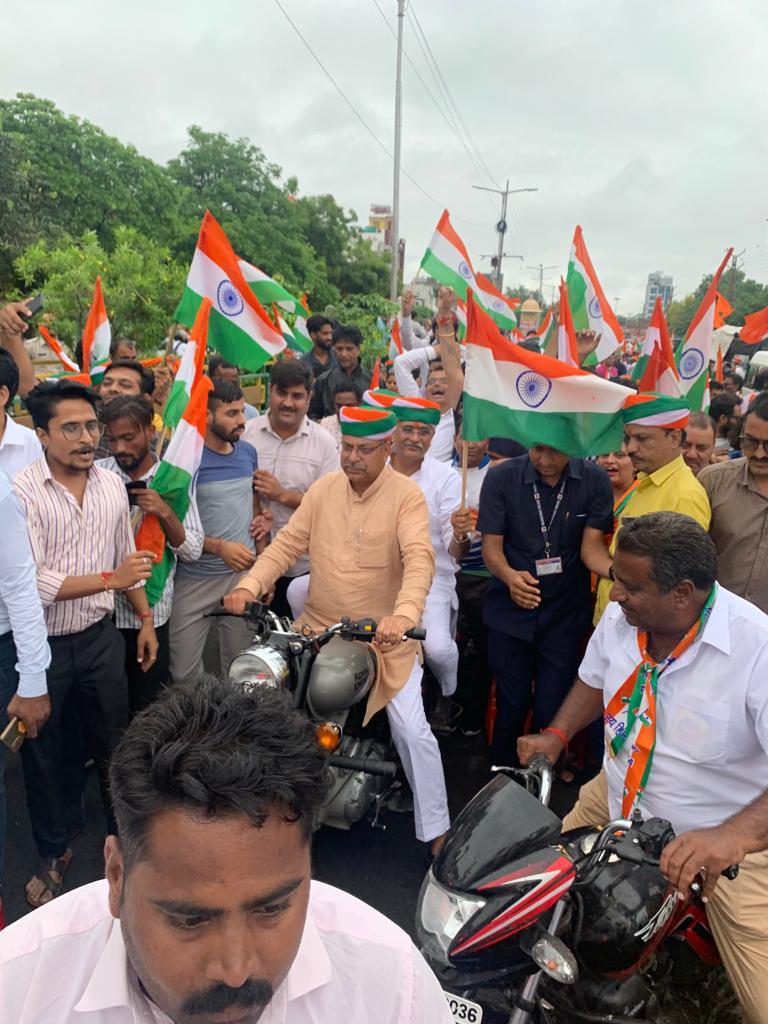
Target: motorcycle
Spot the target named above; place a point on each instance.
(524, 924)
(329, 676)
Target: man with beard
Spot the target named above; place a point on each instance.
(346, 348)
(208, 913)
(226, 505)
(130, 437)
(320, 357)
(83, 547)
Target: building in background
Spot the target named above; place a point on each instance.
(659, 286)
(425, 291)
(378, 233)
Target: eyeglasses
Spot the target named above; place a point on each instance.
(751, 444)
(74, 431)
(411, 431)
(364, 450)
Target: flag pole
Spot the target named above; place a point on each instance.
(464, 471)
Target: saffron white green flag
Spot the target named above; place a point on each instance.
(694, 354)
(190, 368)
(267, 290)
(501, 309)
(173, 481)
(589, 306)
(97, 335)
(534, 399)
(238, 327)
(655, 371)
(447, 260)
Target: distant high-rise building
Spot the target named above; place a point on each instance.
(659, 286)
(378, 233)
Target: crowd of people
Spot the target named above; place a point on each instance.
(541, 579)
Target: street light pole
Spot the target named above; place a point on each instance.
(501, 227)
(541, 270)
(398, 133)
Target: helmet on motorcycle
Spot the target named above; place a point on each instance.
(342, 675)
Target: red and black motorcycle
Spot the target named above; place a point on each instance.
(524, 924)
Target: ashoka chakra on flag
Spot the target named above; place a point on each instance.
(533, 388)
(465, 271)
(691, 364)
(228, 299)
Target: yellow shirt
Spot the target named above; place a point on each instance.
(672, 488)
(369, 555)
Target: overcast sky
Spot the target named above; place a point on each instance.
(645, 123)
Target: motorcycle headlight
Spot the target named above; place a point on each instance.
(261, 667)
(441, 916)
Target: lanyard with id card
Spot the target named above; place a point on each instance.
(548, 566)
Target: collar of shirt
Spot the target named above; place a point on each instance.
(114, 467)
(662, 474)
(745, 479)
(375, 487)
(571, 472)
(14, 433)
(262, 423)
(110, 984)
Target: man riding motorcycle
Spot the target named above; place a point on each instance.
(366, 531)
(678, 667)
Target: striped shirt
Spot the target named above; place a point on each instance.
(70, 540)
(739, 529)
(188, 551)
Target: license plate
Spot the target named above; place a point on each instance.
(464, 1010)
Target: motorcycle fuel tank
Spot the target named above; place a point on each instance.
(342, 674)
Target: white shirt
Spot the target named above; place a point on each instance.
(297, 461)
(711, 756)
(442, 490)
(21, 611)
(66, 964)
(419, 359)
(19, 447)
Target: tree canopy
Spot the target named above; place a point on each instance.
(744, 294)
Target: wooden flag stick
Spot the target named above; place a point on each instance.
(464, 471)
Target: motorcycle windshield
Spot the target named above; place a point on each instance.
(502, 823)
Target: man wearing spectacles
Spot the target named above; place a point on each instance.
(738, 494)
(82, 544)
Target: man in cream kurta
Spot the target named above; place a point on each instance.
(366, 531)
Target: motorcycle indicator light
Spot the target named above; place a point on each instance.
(328, 735)
(442, 915)
(555, 959)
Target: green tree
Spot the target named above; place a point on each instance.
(744, 294)
(364, 311)
(141, 283)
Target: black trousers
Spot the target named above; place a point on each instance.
(89, 711)
(144, 687)
(474, 671)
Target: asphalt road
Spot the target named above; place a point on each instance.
(383, 866)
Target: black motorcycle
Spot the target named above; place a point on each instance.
(522, 923)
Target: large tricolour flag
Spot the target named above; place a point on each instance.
(501, 309)
(510, 392)
(97, 334)
(239, 327)
(173, 482)
(694, 354)
(190, 369)
(267, 290)
(589, 305)
(755, 327)
(656, 370)
(447, 260)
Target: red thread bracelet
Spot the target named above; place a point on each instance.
(559, 733)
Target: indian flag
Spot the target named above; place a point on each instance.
(589, 305)
(655, 370)
(501, 309)
(510, 392)
(190, 368)
(97, 335)
(300, 343)
(173, 482)
(266, 289)
(300, 332)
(567, 347)
(447, 260)
(238, 327)
(53, 344)
(396, 338)
(461, 315)
(694, 354)
(546, 330)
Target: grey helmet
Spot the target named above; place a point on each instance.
(343, 673)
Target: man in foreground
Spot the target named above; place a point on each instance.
(366, 531)
(208, 912)
(695, 659)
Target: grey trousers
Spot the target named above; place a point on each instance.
(193, 598)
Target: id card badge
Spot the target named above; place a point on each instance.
(548, 566)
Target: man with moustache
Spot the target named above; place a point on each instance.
(82, 543)
(699, 444)
(293, 451)
(226, 505)
(320, 357)
(130, 437)
(208, 913)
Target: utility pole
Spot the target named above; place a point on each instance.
(398, 134)
(501, 226)
(732, 273)
(540, 270)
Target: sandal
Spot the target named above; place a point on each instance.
(45, 885)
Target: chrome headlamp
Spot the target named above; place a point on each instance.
(441, 916)
(259, 666)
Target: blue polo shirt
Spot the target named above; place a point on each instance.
(508, 508)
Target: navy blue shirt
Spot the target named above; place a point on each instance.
(508, 508)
